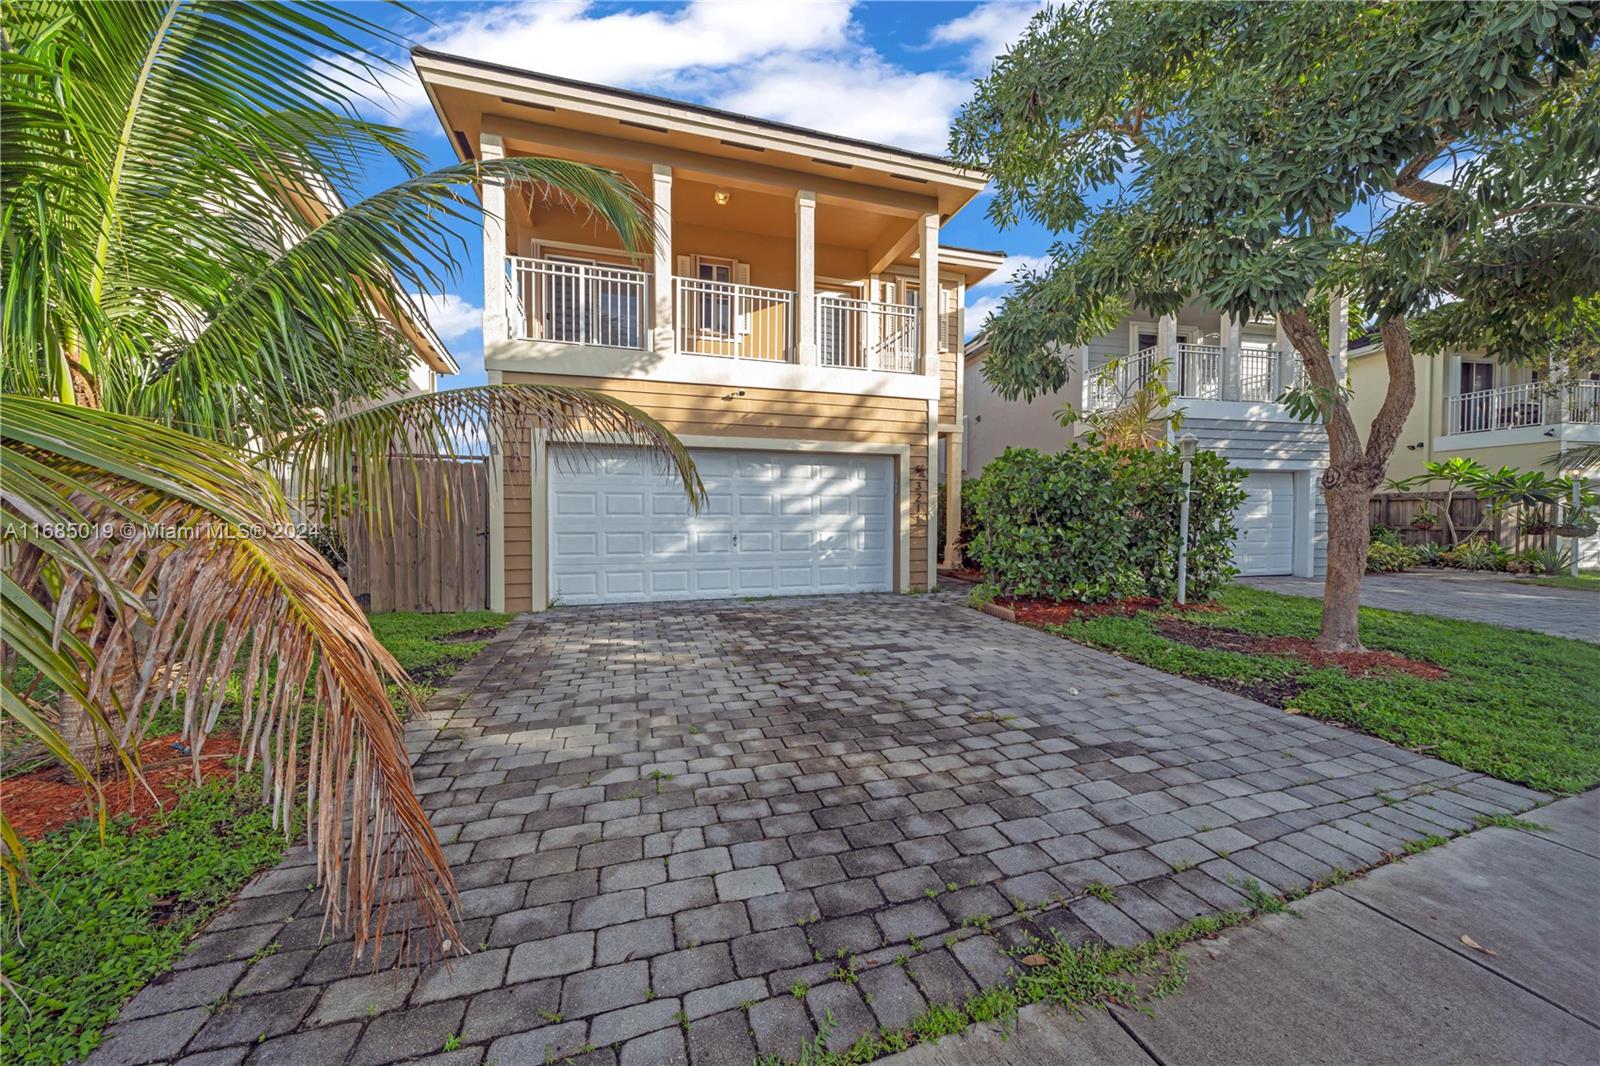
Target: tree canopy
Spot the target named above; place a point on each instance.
(1432, 160)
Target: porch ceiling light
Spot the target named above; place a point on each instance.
(722, 196)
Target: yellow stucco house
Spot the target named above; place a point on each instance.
(797, 323)
(1472, 404)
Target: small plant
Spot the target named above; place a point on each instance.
(452, 1042)
(682, 1018)
(1100, 891)
(799, 989)
(1511, 821)
(846, 974)
(1182, 865)
(553, 1017)
(1262, 901)
(660, 777)
(1417, 847)
(264, 952)
(1425, 518)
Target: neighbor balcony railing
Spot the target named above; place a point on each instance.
(1199, 374)
(866, 335)
(577, 303)
(1516, 406)
(733, 321)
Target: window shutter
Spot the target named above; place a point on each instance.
(685, 270)
(741, 303)
(949, 319)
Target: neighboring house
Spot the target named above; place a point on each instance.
(797, 323)
(1476, 406)
(1228, 376)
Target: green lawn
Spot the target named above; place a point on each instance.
(1586, 581)
(99, 919)
(1520, 706)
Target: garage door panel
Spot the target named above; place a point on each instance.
(621, 530)
(1265, 524)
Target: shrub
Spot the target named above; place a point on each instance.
(1476, 554)
(1387, 536)
(1385, 558)
(1092, 525)
(1427, 553)
(1552, 561)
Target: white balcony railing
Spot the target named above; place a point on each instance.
(733, 321)
(1127, 377)
(1516, 406)
(1260, 378)
(1201, 371)
(1583, 402)
(866, 335)
(1508, 407)
(577, 303)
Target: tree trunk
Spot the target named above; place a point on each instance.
(1348, 540)
(78, 732)
(1354, 470)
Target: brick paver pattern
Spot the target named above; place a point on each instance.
(663, 819)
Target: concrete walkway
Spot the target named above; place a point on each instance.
(1493, 598)
(1374, 971)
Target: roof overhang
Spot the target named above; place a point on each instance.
(464, 92)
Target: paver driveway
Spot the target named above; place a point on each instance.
(664, 818)
(1493, 598)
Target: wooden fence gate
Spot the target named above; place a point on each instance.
(435, 555)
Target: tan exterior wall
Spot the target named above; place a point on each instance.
(1369, 383)
(702, 411)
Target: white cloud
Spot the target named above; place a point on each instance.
(791, 61)
(980, 308)
(853, 95)
(450, 316)
(636, 49)
(987, 30)
(1007, 272)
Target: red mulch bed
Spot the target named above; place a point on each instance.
(1058, 612)
(1356, 664)
(46, 800)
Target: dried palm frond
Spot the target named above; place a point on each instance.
(215, 584)
(347, 458)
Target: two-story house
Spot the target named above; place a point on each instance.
(795, 321)
(1226, 375)
(1473, 404)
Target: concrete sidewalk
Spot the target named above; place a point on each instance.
(1374, 971)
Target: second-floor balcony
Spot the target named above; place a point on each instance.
(1521, 406)
(579, 303)
(1194, 371)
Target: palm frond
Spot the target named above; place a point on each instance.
(225, 589)
(349, 457)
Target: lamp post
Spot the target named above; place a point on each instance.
(1186, 444)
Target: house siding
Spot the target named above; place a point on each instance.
(707, 411)
(1262, 444)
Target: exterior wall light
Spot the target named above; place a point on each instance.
(722, 196)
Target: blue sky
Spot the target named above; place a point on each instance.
(889, 72)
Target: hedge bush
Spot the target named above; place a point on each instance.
(1092, 525)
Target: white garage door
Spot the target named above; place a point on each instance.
(1265, 521)
(775, 523)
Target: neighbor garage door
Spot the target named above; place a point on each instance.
(774, 523)
(1265, 522)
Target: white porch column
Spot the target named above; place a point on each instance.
(928, 292)
(663, 340)
(1288, 360)
(496, 327)
(1167, 351)
(952, 501)
(1230, 373)
(1339, 334)
(1086, 376)
(805, 277)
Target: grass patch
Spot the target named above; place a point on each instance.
(1586, 581)
(1518, 705)
(432, 647)
(102, 918)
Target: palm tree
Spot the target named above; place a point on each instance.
(177, 328)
